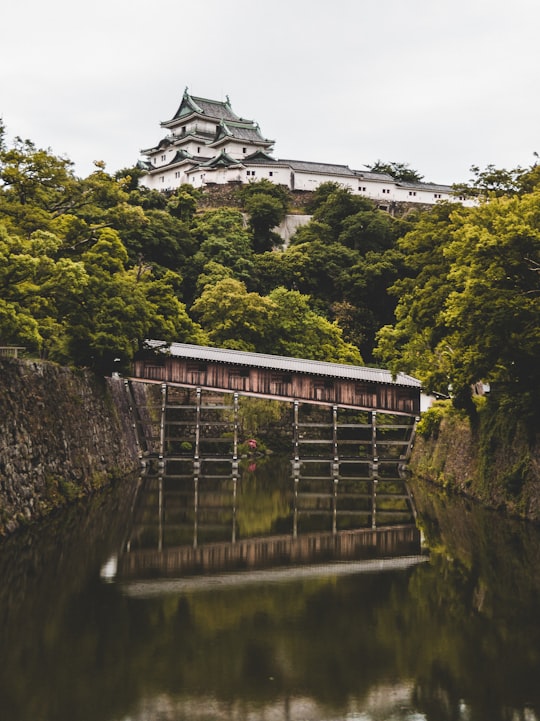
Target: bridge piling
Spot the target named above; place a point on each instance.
(162, 423)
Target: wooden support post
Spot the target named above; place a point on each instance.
(374, 453)
(335, 432)
(335, 499)
(296, 432)
(374, 469)
(335, 467)
(235, 430)
(162, 424)
(198, 424)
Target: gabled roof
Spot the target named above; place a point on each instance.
(181, 156)
(259, 157)
(223, 160)
(246, 131)
(193, 105)
(282, 363)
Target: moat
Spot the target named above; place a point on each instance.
(447, 630)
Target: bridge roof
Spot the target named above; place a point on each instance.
(284, 364)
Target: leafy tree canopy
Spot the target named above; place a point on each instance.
(282, 323)
(398, 171)
(470, 309)
(495, 182)
(266, 205)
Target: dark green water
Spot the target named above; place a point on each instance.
(456, 636)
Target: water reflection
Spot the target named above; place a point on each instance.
(227, 515)
(452, 638)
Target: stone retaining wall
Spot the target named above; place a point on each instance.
(63, 434)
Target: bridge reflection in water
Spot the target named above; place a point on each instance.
(186, 524)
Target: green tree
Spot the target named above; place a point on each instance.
(414, 343)
(183, 202)
(265, 213)
(339, 205)
(35, 186)
(265, 187)
(470, 309)
(232, 317)
(365, 288)
(266, 205)
(369, 230)
(36, 289)
(320, 195)
(154, 236)
(495, 182)
(318, 269)
(121, 308)
(298, 331)
(493, 310)
(223, 240)
(398, 171)
(491, 181)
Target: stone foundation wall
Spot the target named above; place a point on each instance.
(63, 435)
(501, 473)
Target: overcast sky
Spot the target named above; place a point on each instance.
(438, 84)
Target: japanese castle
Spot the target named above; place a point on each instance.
(207, 143)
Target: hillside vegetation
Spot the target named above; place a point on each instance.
(91, 267)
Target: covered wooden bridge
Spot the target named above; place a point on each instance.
(280, 378)
(363, 412)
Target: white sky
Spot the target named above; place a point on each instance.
(438, 84)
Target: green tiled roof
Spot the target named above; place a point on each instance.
(215, 109)
(223, 160)
(247, 131)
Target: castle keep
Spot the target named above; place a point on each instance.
(207, 143)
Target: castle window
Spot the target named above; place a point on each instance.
(198, 150)
(163, 157)
(437, 195)
(412, 192)
(386, 190)
(271, 173)
(362, 188)
(244, 150)
(183, 129)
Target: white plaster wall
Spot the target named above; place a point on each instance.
(311, 181)
(281, 176)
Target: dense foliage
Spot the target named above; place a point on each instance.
(90, 268)
(469, 301)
